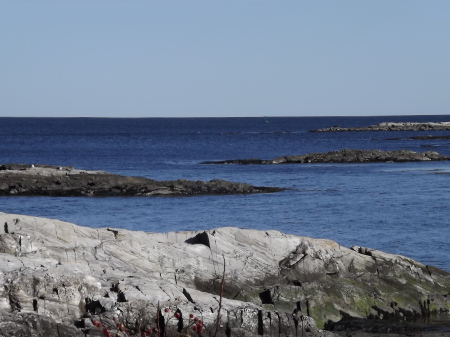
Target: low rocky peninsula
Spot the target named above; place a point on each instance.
(59, 279)
(426, 137)
(391, 126)
(47, 180)
(343, 156)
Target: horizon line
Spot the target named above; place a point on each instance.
(198, 117)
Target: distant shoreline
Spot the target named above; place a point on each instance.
(391, 126)
(343, 156)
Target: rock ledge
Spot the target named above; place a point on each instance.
(47, 180)
(56, 278)
(343, 156)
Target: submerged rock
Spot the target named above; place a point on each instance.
(62, 275)
(20, 179)
(391, 126)
(343, 156)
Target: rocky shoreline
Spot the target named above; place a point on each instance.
(47, 180)
(343, 156)
(391, 126)
(59, 279)
(426, 137)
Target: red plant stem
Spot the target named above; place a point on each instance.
(220, 299)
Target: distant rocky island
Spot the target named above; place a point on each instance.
(426, 137)
(343, 156)
(48, 180)
(391, 126)
(59, 279)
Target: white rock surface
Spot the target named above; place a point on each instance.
(274, 282)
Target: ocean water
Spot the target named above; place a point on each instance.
(400, 208)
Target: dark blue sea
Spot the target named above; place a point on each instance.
(400, 208)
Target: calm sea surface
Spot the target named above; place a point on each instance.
(401, 208)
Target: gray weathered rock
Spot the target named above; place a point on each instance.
(20, 179)
(344, 156)
(59, 274)
(391, 126)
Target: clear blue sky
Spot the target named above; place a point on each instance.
(199, 58)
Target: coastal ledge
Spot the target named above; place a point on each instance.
(391, 126)
(48, 180)
(58, 279)
(343, 156)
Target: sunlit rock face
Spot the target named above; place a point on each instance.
(63, 276)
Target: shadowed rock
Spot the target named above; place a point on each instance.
(427, 137)
(343, 156)
(20, 179)
(275, 284)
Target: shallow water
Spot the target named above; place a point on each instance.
(401, 208)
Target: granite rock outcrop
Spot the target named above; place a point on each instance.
(391, 126)
(47, 180)
(343, 156)
(57, 276)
